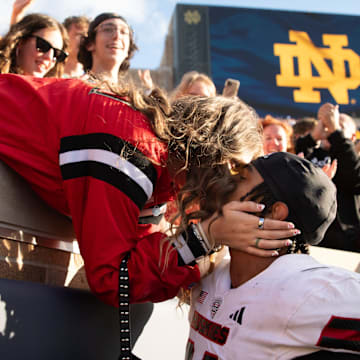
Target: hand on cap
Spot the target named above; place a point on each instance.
(240, 230)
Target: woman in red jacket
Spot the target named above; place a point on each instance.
(111, 160)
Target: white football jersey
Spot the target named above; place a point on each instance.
(294, 307)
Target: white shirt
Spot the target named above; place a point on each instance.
(285, 311)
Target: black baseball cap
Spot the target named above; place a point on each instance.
(307, 191)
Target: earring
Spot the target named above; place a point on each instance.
(234, 170)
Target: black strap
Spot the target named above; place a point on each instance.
(124, 312)
(195, 243)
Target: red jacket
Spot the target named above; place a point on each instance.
(91, 156)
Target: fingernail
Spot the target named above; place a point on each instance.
(261, 207)
(296, 232)
(291, 225)
(274, 253)
(288, 242)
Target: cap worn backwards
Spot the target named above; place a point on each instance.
(307, 191)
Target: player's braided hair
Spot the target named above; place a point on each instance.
(262, 193)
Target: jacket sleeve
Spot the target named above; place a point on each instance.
(347, 176)
(335, 324)
(106, 226)
(106, 182)
(305, 144)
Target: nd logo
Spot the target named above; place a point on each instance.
(333, 78)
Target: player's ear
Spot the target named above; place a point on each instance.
(279, 211)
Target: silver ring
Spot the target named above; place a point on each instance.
(257, 243)
(261, 223)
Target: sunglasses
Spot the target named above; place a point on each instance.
(44, 46)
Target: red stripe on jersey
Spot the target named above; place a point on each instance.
(341, 333)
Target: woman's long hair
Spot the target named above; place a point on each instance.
(209, 137)
(212, 136)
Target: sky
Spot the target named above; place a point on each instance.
(150, 19)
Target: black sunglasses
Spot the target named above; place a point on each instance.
(44, 46)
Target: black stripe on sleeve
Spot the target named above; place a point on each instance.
(330, 342)
(341, 333)
(105, 172)
(345, 324)
(110, 175)
(112, 143)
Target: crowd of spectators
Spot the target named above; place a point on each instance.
(38, 45)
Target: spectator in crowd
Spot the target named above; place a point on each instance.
(277, 135)
(19, 8)
(284, 308)
(194, 83)
(77, 27)
(333, 138)
(303, 127)
(36, 46)
(348, 126)
(106, 51)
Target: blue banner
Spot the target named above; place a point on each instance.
(288, 63)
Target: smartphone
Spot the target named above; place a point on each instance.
(231, 87)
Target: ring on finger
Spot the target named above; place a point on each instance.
(261, 223)
(257, 243)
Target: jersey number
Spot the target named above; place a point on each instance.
(190, 352)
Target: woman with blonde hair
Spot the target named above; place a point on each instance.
(36, 46)
(194, 83)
